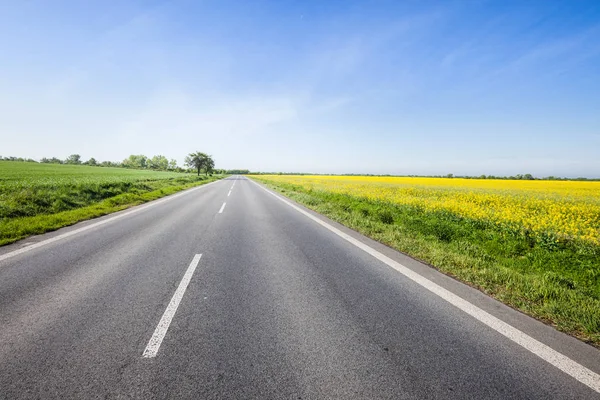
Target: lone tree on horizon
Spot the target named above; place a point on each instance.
(200, 161)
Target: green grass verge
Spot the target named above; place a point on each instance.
(46, 209)
(556, 283)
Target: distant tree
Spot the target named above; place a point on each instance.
(173, 164)
(135, 161)
(54, 160)
(73, 159)
(209, 166)
(20, 159)
(200, 162)
(92, 161)
(158, 162)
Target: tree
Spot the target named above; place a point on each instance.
(173, 164)
(158, 162)
(92, 161)
(73, 159)
(209, 165)
(200, 161)
(135, 161)
(109, 164)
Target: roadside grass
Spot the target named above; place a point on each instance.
(556, 282)
(37, 198)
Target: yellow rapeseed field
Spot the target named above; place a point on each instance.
(564, 209)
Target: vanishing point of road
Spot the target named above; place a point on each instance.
(229, 291)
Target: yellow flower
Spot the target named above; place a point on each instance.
(567, 209)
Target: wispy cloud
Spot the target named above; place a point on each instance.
(349, 54)
(576, 47)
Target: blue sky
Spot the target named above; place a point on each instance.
(398, 87)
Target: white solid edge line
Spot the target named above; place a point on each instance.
(94, 225)
(222, 208)
(560, 361)
(163, 326)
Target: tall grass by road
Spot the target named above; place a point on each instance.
(36, 198)
(532, 245)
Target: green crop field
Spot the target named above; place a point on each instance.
(36, 198)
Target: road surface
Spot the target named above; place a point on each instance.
(226, 291)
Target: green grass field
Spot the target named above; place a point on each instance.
(558, 284)
(36, 198)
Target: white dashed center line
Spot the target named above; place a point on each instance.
(165, 321)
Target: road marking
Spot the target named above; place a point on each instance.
(222, 208)
(229, 194)
(165, 321)
(560, 361)
(97, 224)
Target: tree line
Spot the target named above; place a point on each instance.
(137, 161)
(198, 162)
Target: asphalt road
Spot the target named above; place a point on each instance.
(277, 306)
